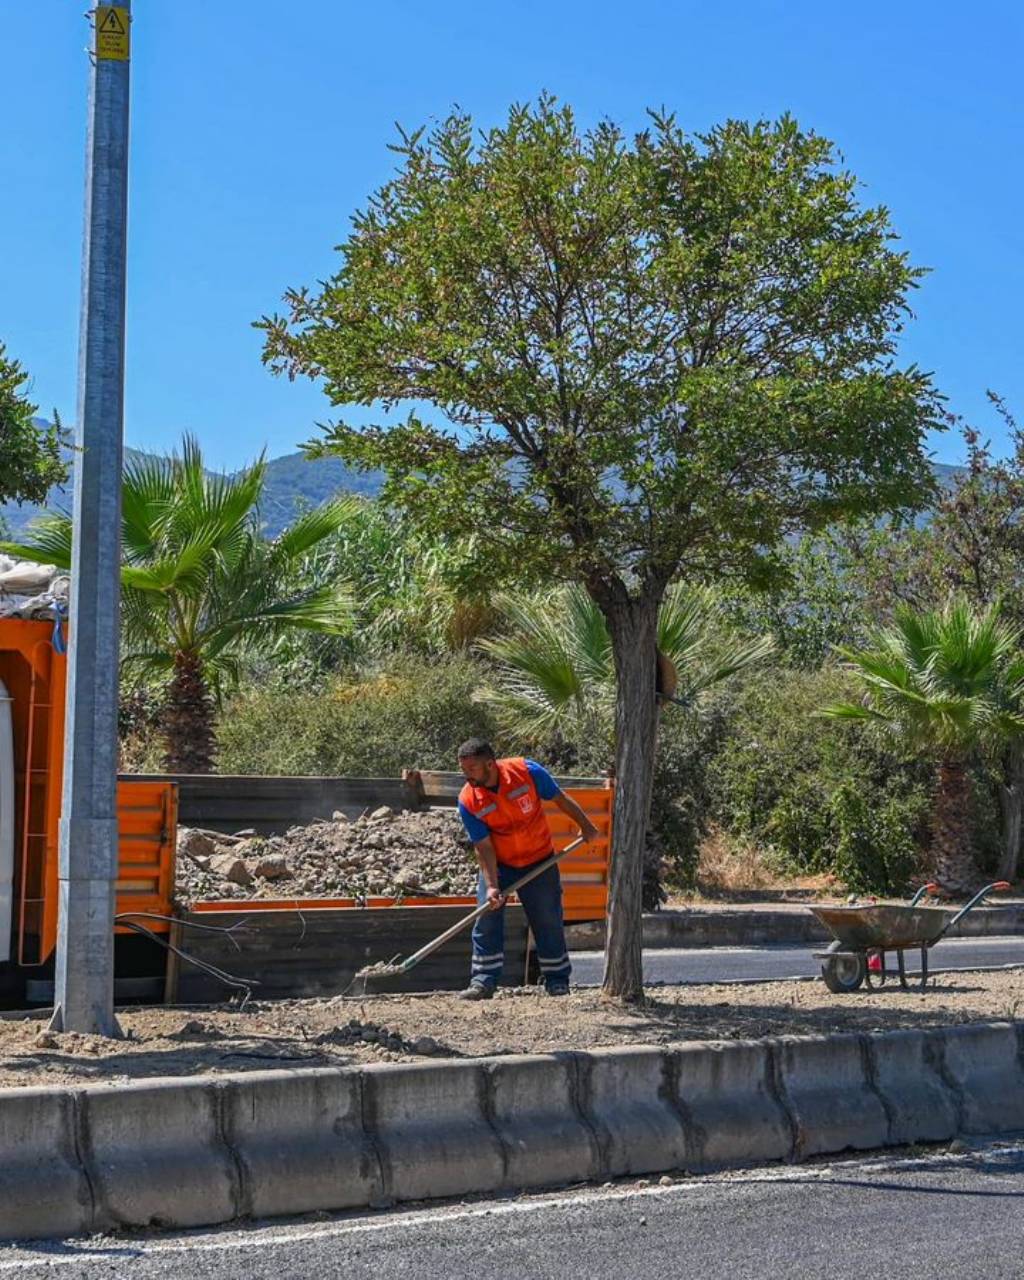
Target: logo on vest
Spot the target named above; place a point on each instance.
(526, 803)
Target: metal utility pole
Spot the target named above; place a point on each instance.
(84, 995)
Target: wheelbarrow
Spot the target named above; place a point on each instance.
(863, 936)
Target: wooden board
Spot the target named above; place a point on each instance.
(270, 805)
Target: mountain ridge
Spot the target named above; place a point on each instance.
(294, 483)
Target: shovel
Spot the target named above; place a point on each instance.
(380, 977)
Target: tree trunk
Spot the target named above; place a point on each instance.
(187, 720)
(952, 857)
(633, 628)
(1011, 802)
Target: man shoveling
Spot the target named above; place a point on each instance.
(501, 809)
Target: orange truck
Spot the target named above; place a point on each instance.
(32, 686)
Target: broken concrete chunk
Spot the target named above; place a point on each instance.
(273, 866)
(196, 845)
(231, 868)
(383, 814)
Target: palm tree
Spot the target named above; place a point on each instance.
(948, 683)
(554, 674)
(201, 590)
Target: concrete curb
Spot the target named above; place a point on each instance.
(185, 1153)
(769, 926)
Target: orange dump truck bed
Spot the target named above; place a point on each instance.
(34, 675)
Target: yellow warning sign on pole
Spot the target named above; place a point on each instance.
(112, 32)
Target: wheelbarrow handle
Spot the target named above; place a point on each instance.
(930, 887)
(998, 886)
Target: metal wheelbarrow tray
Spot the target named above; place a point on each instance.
(863, 933)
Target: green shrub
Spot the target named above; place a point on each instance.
(412, 714)
(681, 805)
(816, 796)
(876, 849)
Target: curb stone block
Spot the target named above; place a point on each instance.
(300, 1141)
(544, 1139)
(43, 1188)
(921, 1108)
(983, 1064)
(725, 1091)
(195, 1152)
(158, 1156)
(830, 1096)
(627, 1095)
(431, 1129)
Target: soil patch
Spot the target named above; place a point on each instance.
(347, 1031)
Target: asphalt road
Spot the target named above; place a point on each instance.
(761, 964)
(943, 1216)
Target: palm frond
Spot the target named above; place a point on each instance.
(50, 542)
(313, 528)
(946, 680)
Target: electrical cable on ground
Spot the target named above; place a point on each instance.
(129, 920)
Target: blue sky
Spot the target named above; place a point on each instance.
(259, 126)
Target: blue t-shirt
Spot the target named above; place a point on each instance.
(547, 789)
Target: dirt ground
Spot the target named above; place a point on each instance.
(347, 1031)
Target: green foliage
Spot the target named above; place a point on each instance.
(197, 578)
(412, 714)
(782, 778)
(554, 675)
(640, 353)
(876, 846)
(600, 320)
(30, 454)
(821, 601)
(682, 803)
(971, 546)
(416, 594)
(946, 682)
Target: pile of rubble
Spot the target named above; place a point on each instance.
(32, 590)
(383, 854)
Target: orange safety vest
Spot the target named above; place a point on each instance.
(514, 814)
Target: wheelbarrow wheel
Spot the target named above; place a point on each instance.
(842, 974)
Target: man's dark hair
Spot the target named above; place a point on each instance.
(477, 747)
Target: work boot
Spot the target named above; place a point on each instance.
(477, 991)
(557, 989)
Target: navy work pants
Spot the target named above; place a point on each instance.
(542, 902)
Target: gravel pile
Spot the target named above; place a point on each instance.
(382, 854)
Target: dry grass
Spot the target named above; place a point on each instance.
(732, 869)
(727, 865)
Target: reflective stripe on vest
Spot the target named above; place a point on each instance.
(514, 817)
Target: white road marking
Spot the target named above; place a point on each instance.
(116, 1248)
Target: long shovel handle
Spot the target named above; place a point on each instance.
(459, 925)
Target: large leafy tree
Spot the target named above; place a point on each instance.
(201, 590)
(642, 357)
(30, 454)
(946, 683)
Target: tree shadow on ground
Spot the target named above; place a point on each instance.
(662, 1020)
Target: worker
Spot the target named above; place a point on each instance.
(501, 809)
